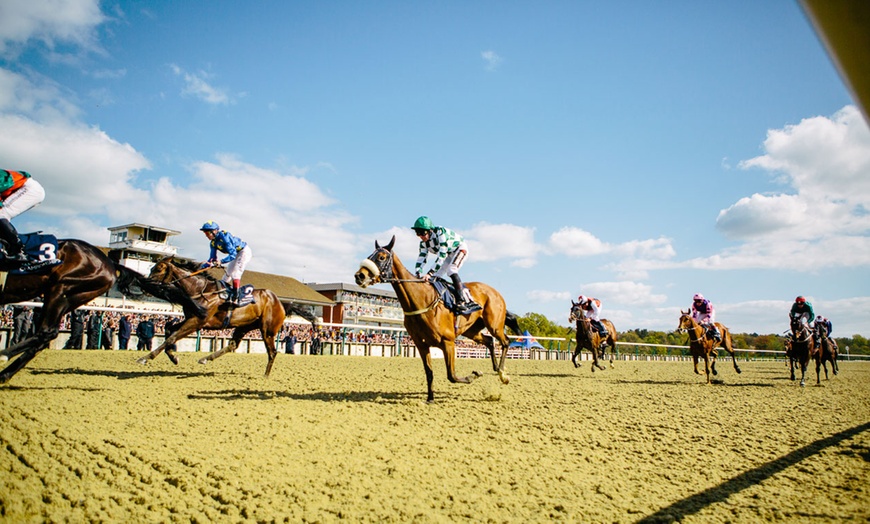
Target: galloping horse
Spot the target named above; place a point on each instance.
(82, 274)
(431, 324)
(700, 345)
(266, 312)
(590, 339)
(827, 352)
(803, 348)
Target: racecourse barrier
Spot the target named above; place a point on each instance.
(214, 341)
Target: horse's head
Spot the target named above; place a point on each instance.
(162, 270)
(576, 312)
(686, 321)
(378, 267)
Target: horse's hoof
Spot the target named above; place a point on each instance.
(505, 379)
(142, 361)
(3, 358)
(173, 359)
(203, 361)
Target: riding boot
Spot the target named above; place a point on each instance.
(461, 302)
(232, 294)
(15, 248)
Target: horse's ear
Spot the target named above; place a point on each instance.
(684, 312)
(377, 246)
(389, 247)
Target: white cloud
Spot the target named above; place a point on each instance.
(71, 21)
(488, 242)
(197, 85)
(826, 162)
(576, 242)
(491, 60)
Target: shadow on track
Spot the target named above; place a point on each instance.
(695, 503)
(351, 396)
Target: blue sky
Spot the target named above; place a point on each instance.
(638, 152)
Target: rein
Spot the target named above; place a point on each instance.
(372, 267)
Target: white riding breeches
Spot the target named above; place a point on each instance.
(236, 267)
(28, 196)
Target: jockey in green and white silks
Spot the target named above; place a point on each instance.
(19, 192)
(450, 250)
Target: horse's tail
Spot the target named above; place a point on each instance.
(291, 308)
(134, 285)
(511, 321)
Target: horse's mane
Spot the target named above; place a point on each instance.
(132, 284)
(189, 265)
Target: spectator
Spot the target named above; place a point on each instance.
(109, 328)
(125, 330)
(95, 326)
(316, 344)
(290, 343)
(77, 328)
(145, 332)
(22, 320)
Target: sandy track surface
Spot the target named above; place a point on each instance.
(93, 436)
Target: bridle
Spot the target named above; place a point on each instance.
(696, 327)
(386, 276)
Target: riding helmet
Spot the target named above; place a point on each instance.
(423, 223)
(698, 296)
(800, 300)
(211, 225)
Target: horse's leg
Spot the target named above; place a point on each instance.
(219, 353)
(791, 368)
(187, 327)
(427, 367)
(695, 361)
(707, 366)
(449, 349)
(35, 344)
(713, 356)
(818, 359)
(574, 357)
(269, 340)
(804, 362)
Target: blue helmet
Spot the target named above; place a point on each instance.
(211, 225)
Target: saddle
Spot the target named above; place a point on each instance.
(40, 248)
(445, 290)
(246, 293)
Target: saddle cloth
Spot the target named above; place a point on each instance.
(42, 250)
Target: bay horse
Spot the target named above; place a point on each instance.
(827, 352)
(803, 348)
(82, 274)
(266, 312)
(431, 324)
(590, 339)
(701, 345)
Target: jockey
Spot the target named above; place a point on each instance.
(592, 309)
(18, 193)
(704, 314)
(822, 321)
(238, 256)
(802, 311)
(451, 251)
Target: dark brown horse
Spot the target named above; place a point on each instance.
(83, 273)
(803, 348)
(266, 312)
(827, 352)
(431, 324)
(702, 345)
(589, 339)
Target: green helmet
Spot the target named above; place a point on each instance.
(423, 223)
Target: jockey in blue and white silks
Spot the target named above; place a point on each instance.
(238, 255)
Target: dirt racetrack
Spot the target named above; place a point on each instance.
(93, 436)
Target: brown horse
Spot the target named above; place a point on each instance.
(803, 348)
(590, 339)
(83, 273)
(266, 312)
(701, 345)
(431, 324)
(827, 352)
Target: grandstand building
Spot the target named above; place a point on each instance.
(360, 306)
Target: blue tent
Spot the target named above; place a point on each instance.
(527, 341)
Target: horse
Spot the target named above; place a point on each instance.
(700, 345)
(590, 339)
(827, 352)
(266, 312)
(81, 273)
(431, 324)
(802, 347)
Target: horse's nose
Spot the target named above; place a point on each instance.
(358, 277)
